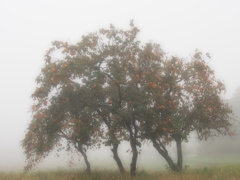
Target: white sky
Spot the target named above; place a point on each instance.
(28, 27)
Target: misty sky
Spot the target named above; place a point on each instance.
(27, 28)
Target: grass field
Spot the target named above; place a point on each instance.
(226, 172)
(202, 167)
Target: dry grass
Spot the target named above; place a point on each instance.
(228, 172)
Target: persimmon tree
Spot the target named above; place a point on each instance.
(108, 88)
(184, 97)
(57, 115)
(81, 96)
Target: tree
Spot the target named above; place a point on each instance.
(108, 88)
(223, 145)
(79, 96)
(58, 115)
(184, 96)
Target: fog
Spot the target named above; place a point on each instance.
(28, 27)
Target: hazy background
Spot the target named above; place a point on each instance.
(28, 27)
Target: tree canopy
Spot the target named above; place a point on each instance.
(110, 88)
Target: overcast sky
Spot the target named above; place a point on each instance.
(27, 28)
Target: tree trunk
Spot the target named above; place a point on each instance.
(179, 153)
(117, 159)
(88, 170)
(133, 165)
(164, 154)
(133, 143)
(115, 146)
